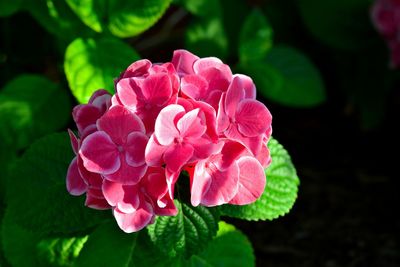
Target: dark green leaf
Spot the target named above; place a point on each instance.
(202, 8)
(31, 106)
(9, 7)
(280, 192)
(186, 233)
(93, 64)
(123, 18)
(255, 37)
(37, 187)
(107, 246)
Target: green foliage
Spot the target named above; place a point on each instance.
(280, 192)
(91, 64)
(123, 18)
(202, 8)
(186, 233)
(9, 7)
(107, 246)
(288, 77)
(26, 114)
(39, 178)
(255, 37)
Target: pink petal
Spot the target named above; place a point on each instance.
(165, 128)
(85, 115)
(96, 203)
(135, 148)
(213, 98)
(176, 156)
(208, 115)
(253, 118)
(252, 143)
(190, 125)
(135, 221)
(157, 89)
(74, 141)
(88, 130)
(127, 174)
(119, 122)
(194, 86)
(229, 154)
(234, 95)
(154, 152)
(183, 62)
(115, 100)
(97, 94)
(203, 148)
(137, 69)
(206, 63)
(126, 94)
(124, 197)
(99, 153)
(248, 86)
(93, 180)
(76, 186)
(251, 181)
(222, 118)
(102, 102)
(95, 192)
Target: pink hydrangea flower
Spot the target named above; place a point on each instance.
(386, 18)
(189, 115)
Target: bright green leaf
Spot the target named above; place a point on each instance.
(93, 64)
(107, 246)
(207, 38)
(255, 37)
(123, 18)
(9, 7)
(30, 107)
(186, 233)
(59, 251)
(39, 178)
(280, 192)
(287, 77)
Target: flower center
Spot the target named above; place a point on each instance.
(178, 139)
(120, 148)
(147, 106)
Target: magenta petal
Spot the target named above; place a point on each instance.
(194, 86)
(177, 156)
(93, 180)
(253, 118)
(85, 115)
(154, 152)
(209, 115)
(183, 62)
(229, 153)
(127, 174)
(99, 153)
(251, 181)
(125, 197)
(222, 118)
(98, 94)
(190, 125)
(74, 141)
(203, 148)
(76, 186)
(96, 203)
(157, 89)
(165, 128)
(135, 221)
(118, 122)
(135, 148)
(137, 69)
(248, 86)
(234, 95)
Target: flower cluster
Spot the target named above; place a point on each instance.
(191, 114)
(386, 18)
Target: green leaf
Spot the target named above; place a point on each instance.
(207, 38)
(93, 64)
(341, 24)
(107, 246)
(39, 178)
(59, 251)
(280, 192)
(186, 233)
(58, 19)
(123, 18)
(296, 82)
(255, 37)
(9, 7)
(229, 248)
(30, 107)
(202, 8)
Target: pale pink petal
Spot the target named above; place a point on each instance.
(137, 69)
(200, 181)
(194, 86)
(126, 94)
(127, 174)
(253, 118)
(135, 221)
(99, 153)
(96, 203)
(124, 197)
(234, 95)
(251, 181)
(135, 147)
(208, 115)
(154, 152)
(183, 62)
(222, 118)
(85, 115)
(76, 186)
(118, 122)
(248, 86)
(157, 89)
(115, 100)
(177, 155)
(74, 141)
(206, 63)
(190, 125)
(165, 128)
(172, 178)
